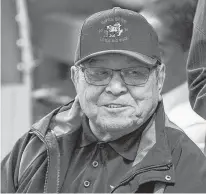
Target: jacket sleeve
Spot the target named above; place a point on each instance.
(196, 64)
(22, 164)
(10, 166)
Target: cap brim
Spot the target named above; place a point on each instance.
(143, 58)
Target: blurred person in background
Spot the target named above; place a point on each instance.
(173, 24)
(196, 64)
(115, 136)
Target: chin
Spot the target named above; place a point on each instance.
(114, 124)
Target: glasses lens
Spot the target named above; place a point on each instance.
(135, 76)
(98, 76)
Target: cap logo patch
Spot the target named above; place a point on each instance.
(113, 30)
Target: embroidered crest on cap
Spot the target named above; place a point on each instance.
(113, 32)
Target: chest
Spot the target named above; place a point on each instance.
(103, 170)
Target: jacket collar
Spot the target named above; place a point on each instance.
(47, 122)
(154, 148)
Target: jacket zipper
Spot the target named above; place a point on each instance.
(142, 170)
(47, 147)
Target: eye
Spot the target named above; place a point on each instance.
(102, 72)
(97, 73)
(134, 72)
(137, 73)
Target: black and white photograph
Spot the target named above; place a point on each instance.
(103, 96)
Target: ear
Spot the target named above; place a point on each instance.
(74, 76)
(161, 79)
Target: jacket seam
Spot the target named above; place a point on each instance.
(58, 162)
(47, 142)
(47, 171)
(21, 148)
(42, 138)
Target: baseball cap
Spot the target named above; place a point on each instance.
(120, 31)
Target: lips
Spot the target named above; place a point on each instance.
(115, 105)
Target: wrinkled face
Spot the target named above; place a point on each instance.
(117, 107)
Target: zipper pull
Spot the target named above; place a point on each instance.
(169, 166)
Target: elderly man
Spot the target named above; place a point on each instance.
(114, 137)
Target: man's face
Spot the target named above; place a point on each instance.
(117, 107)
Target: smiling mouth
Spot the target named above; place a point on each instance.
(115, 106)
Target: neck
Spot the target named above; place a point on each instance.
(101, 135)
(107, 135)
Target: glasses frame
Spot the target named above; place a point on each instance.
(83, 68)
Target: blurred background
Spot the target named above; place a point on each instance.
(38, 41)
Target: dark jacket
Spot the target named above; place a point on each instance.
(196, 64)
(167, 160)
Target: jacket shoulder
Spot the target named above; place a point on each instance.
(178, 139)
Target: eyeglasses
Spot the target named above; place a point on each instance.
(133, 76)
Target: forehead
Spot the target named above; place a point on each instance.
(115, 61)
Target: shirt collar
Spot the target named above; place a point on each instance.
(126, 146)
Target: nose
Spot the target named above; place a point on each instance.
(116, 86)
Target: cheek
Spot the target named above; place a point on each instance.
(88, 96)
(146, 98)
